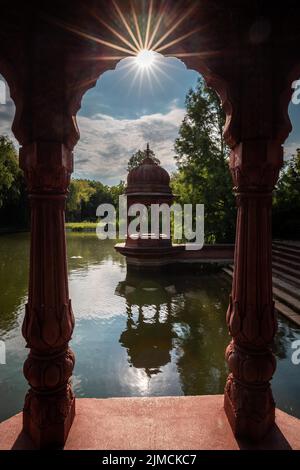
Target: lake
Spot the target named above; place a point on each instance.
(135, 335)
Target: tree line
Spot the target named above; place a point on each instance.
(202, 176)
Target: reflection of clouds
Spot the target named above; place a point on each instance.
(93, 291)
(8, 330)
(76, 383)
(103, 367)
(140, 384)
(15, 347)
(138, 380)
(182, 330)
(287, 333)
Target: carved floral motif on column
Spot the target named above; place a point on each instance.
(48, 325)
(250, 317)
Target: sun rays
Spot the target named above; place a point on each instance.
(149, 39)
(141, 37)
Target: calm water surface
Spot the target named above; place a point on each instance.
(134, 335)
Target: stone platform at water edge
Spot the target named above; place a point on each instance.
(167, 423)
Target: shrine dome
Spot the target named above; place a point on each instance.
(148, 178)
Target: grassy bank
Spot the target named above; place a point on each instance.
(9, 230)
(81, 226)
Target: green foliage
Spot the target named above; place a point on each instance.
(138, 157)
(85, 196)
(286, 200)
(203, 174)
(79, 191)
(116, 191)
(10, 172)
(14, 211)
(81, 226)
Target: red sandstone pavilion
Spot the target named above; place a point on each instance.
(51, 53)
(148, 184)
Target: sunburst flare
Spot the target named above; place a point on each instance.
(142, 38)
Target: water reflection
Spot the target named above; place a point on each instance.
(149, 335)
(174, 314)
(286, 334)
(135, 335)
(85, 251)
(14, 254)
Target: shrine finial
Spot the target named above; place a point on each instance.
(148, 150)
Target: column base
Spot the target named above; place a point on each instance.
(250, 411)
(47, 420)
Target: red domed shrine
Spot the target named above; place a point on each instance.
(148, 184)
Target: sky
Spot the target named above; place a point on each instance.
(123, 112)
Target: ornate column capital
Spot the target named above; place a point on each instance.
(255, 165)
(47, 167)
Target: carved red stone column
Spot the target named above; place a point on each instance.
(49, 404)
(251, 320)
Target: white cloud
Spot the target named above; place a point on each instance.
(7, 112)
(290, 149)
(107, 143)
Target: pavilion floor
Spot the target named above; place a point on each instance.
(156, 423)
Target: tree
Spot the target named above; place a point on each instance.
(286, 200)
(203, 174)
(85, 196)
(79, 191)
(10, 172)
(14, 210)
(137, 158)
(100, 194)
(117, 191)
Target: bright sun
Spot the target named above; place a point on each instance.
(145, 58)
(144, 46)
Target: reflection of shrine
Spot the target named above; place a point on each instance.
(167, 313)
(149, 333)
